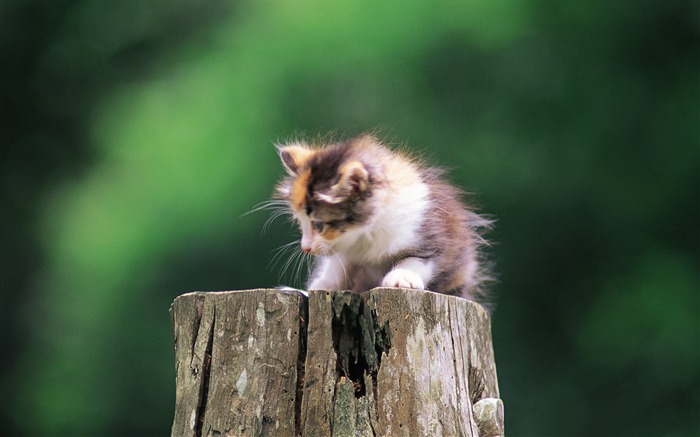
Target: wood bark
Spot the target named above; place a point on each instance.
(388, 362)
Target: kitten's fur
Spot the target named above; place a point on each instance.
(376, 217)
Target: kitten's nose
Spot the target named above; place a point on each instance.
(306, 249)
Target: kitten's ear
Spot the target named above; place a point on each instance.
(354, 179)
(294, 157)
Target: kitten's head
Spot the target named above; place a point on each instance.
(328, 191)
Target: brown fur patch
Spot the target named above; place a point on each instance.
(299, 189)
(353, 177)
(295, 157)
(331, 233)
(456, 282)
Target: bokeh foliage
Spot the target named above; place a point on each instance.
(136, 134)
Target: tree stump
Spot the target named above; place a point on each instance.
(388, 362)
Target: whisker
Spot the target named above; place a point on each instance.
(342, 264)
(309, 267)
(290, 262)
(295, 271)
(300, 261)
(275, 214)
(280, 251)
(303, 260)
(297, 241)
(268, 204)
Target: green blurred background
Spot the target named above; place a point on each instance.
(135, 134)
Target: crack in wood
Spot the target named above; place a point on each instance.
(454, 363)
(359, 342)
(380, 340)
(301, 363)
(477, 384)
(206, 374)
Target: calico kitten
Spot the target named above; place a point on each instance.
(376, 217)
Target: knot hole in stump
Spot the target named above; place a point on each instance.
(358, 340)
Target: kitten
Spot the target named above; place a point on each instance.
(376, 217)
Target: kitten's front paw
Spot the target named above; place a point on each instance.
(291, 290)
(402, 278)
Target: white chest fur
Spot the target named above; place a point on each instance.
(399, 213)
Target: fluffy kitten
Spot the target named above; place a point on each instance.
(376, 217)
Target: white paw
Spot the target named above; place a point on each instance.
(402, 278)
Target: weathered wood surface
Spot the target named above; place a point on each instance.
(388, 362)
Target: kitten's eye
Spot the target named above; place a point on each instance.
(318, 226)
